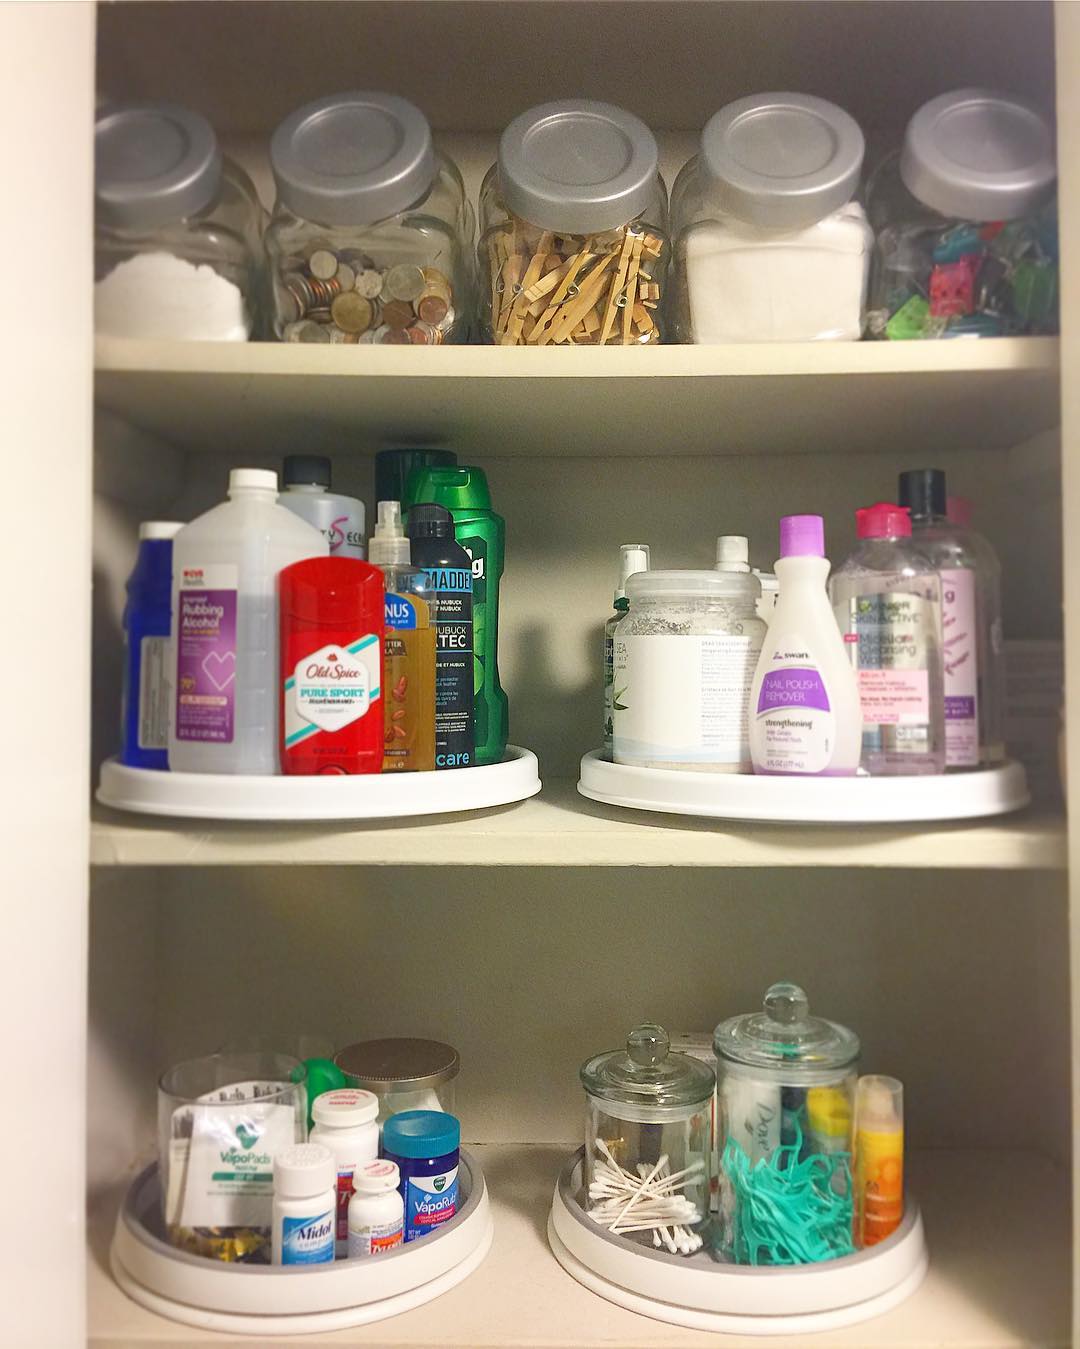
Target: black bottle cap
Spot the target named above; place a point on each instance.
(306, 470)
(429, 521)
(922, 491)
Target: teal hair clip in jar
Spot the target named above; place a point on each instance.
(786, 1095)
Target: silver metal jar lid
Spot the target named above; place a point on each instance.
(782, 161)
(578, 166)
(353, 158)
(978, 155)
(398, 1065)
(154, 163)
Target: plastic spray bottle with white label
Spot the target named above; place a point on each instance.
(804, 700)
(635, 558)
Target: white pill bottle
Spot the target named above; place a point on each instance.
(345, 1122)
(302, 1223)
(376, 1211)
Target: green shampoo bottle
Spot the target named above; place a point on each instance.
(464, 492)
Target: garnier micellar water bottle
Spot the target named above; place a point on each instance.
(224, 645)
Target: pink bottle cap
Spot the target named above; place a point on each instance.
(802, 536)
(883, 520)
(959, 511)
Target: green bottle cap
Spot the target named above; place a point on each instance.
(461, 488)
(322, 1075)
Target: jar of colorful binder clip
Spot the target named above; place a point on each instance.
(786, 1093)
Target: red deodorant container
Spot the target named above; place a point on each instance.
(331, 622)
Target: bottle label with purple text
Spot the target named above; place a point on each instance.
(961, 668)
(206, 653)
(794, 721)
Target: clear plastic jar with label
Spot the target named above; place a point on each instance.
(770, 245)
(967, 240)
(371, 236)
(573, 220)
(177, 246)
(684, 660)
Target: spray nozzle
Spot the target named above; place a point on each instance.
(635, 558)
(388, 545)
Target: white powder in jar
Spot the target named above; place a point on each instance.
(747, 284)
(158, 295)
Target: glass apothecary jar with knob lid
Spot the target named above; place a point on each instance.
(573, 230)
(786, 1085)
(371, 237)
(178, 251)
(648, 1141)
(967, 237)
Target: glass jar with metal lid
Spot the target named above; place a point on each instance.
(178, 252)
(786, 1096)
(770, 243)
(967, 242)
(648, 1141)
(405, 1074)
(573, 220)
(371, 237)
(683, 661)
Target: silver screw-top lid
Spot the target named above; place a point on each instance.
(978, 155)
(153, 163)
(577, 166)
(353, 158)
(782, 161)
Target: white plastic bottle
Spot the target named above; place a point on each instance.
(345, 1122)
(307, 480)
(302, 1222)
(804, 699)
(376, 1211)
(224, 645)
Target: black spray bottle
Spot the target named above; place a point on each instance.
(449, 570)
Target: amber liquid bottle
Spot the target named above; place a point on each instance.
(408, 649)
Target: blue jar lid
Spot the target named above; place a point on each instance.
(421, 1133)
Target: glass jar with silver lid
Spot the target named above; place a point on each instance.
(405, 1073)
(684, 659)
(178, 252)
(371, 236)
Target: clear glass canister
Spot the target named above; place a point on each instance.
(770, 245)
(405, 1074)
(371, 236)
(178, 250)
(573, 221)
(967, 240)
(648, 1141)
(683, 661)
(786, 1096)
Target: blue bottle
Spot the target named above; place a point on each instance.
(425, 1145)
(145, 727)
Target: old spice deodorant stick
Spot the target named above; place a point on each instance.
(331, 666)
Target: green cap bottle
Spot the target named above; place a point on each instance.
(464, 492)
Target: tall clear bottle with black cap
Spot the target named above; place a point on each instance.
(178, 250)
(307, 479)
(973, 640)
(449, 572)
(371, 234)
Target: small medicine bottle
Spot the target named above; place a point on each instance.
(302, 1223)
(345, 1123)
(425, 1145)
(376, 1210)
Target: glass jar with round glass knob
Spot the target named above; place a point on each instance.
(648, 1141)
(785, 1121)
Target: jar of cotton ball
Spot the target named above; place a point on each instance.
(177, 242)
(648, 1142)
(785, 1097)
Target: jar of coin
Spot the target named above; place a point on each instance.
(178, 251)
(574, 243)
(371, 234)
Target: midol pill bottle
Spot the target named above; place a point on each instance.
(345, 1122)
(376, 1210)
(304, 1205)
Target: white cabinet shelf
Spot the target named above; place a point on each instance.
(560, 828)
(996, 1223)
(783, 398)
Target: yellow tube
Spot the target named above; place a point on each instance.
(879, 1159)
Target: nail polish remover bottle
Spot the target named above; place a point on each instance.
(804, 699)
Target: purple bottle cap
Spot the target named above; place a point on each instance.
(802, 536)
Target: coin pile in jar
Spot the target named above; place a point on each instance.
(344, 297)
(597, 289)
